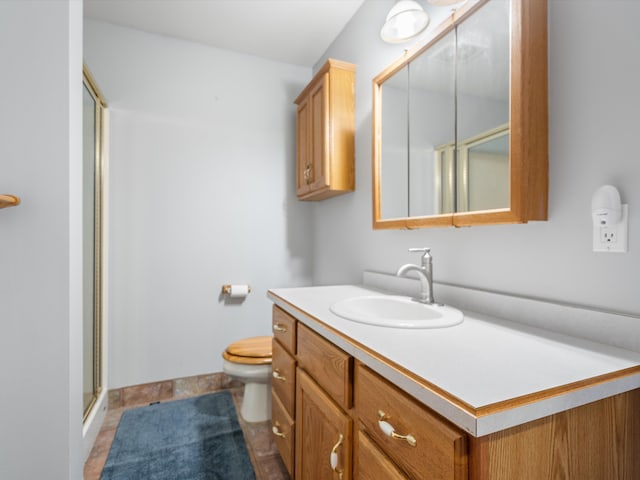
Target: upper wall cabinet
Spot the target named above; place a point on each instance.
(460, 123)
(325, 138)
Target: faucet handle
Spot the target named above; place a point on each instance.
(426, 257)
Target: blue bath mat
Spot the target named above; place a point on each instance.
(196, 438)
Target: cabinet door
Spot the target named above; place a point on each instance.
(323, 430)
(372, 464)
(319, 99)
(304, 170)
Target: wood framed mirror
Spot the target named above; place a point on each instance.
(460, 127)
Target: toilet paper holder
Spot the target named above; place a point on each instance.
(226, 289)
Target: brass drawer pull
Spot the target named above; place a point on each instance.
(276, 431)
(390, 431)
(276, 374)
(333, 458)
(307, 174)
(277, 328)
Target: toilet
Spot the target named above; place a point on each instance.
(249, 361)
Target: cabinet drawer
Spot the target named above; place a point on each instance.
(283, 429)
(284, 329)
(372, 464)
(284, 376)
(440, 450)
(329, 366)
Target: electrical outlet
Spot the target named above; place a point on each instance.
(608, 235)
(612, 238)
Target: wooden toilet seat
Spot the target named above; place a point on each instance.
(249, 351)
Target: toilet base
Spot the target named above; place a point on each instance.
(256, 402)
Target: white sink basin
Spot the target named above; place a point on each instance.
(397, 312)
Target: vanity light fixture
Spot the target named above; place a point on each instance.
(405, 20)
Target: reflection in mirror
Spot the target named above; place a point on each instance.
(481, 181)
(485, 173)
(418, 112)
(432, 117)
(482, 61)
(395, 149)
(482, 70)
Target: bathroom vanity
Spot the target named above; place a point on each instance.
(484, 399)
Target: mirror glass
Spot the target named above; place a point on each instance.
(418, 112)
(432, 117)
(444, 121)
(482, 96)
(483, 171)
(395, 147)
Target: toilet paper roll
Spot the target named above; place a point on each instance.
(239, 291)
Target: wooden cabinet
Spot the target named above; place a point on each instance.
(325, 133)
(283, 376)
(323, 430)
(323, 403)
(316, 421)
(422, 444)
(284, 329)
(371, 463)
(519, 37)
(311, 417)
(328, 405)
(597, 441)
(283, 428)
(283, 385)
(327, 364)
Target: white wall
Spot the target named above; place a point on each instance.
(201, 194)
(195, 128)
(594, 70)
(41, 240)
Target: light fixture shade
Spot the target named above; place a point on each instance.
(405, 20)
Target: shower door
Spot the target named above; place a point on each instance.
(92, 183)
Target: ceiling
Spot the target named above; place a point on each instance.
(290, 31)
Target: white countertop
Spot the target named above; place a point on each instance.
(478, 365)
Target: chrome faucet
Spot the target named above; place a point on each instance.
(424, 274)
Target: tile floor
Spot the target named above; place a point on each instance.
(262, 450)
